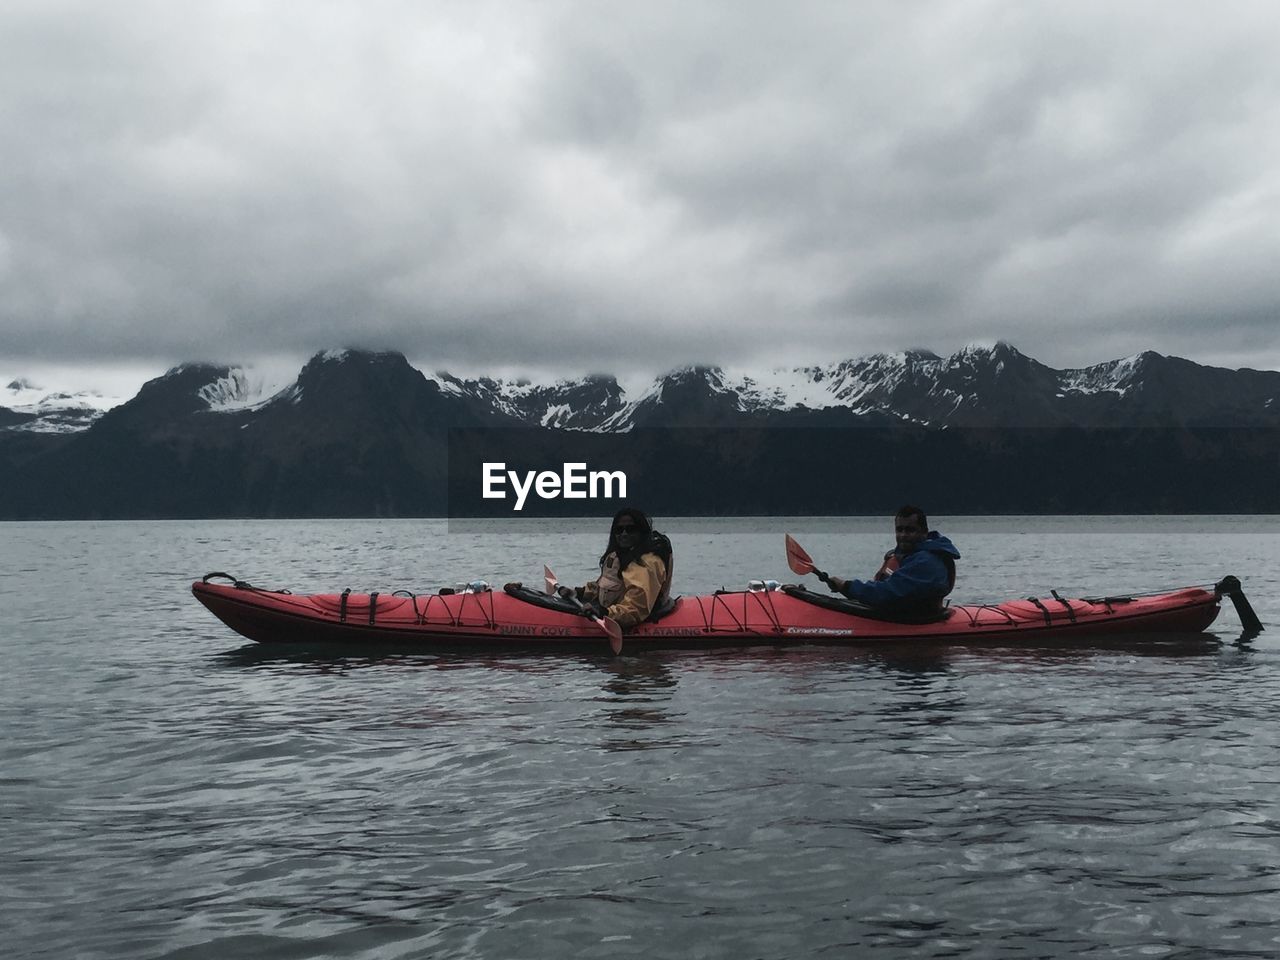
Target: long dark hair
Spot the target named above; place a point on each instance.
(649, 540)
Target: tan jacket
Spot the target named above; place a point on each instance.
(631, 596)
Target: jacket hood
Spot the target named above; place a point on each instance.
(937, 543)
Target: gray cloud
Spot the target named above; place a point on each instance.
(602, 185)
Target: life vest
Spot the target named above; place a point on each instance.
(612, 587)
(935, 603)
(950, 561)
(929, 604)
(887, 568)
(609, 583)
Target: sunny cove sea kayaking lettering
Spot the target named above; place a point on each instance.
(573, 483)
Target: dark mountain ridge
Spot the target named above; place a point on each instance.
(367, 434)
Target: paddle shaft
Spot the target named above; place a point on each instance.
(610, 627)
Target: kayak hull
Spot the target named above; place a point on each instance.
(496, 619)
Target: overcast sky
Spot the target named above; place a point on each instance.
(631, 186)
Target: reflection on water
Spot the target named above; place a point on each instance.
(638, 695)
(909, 658)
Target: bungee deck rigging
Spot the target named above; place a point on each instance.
(519, 617)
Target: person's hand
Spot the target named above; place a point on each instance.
(836, 583)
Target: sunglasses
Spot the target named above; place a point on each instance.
(629, 528)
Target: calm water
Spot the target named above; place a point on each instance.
(167, 790)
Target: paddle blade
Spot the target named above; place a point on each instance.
(550, 578)
(607, 624)
(799, 561)
(610, 627)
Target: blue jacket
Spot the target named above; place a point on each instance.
(925, 576)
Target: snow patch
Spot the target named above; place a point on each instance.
(249, 388)
(55, 411)
(556, 415)
(782, 388)
(22, 396)
(1116, 376)
(447, 383)
(623, 420)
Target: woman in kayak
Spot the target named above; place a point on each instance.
(915, 575)
(635, 572)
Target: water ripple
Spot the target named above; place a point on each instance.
(170, 792)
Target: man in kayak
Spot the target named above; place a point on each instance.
(915, 575)
(635, 572)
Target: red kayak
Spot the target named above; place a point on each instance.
(480, 617)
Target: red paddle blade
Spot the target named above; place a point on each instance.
(799, 561)
(610, 626)
(550, 579)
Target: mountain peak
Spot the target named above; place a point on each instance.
(174, 394)
(355, 355)
(336, 371)
(999, 350)
(185, 378)
(694, 372)
(186, 371)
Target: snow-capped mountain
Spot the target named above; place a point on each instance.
(581, 404)
(355, 433)
(28, 407)
(978, 386)
(245, 388)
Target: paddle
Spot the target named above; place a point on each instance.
(801, 563)
(607, 624)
